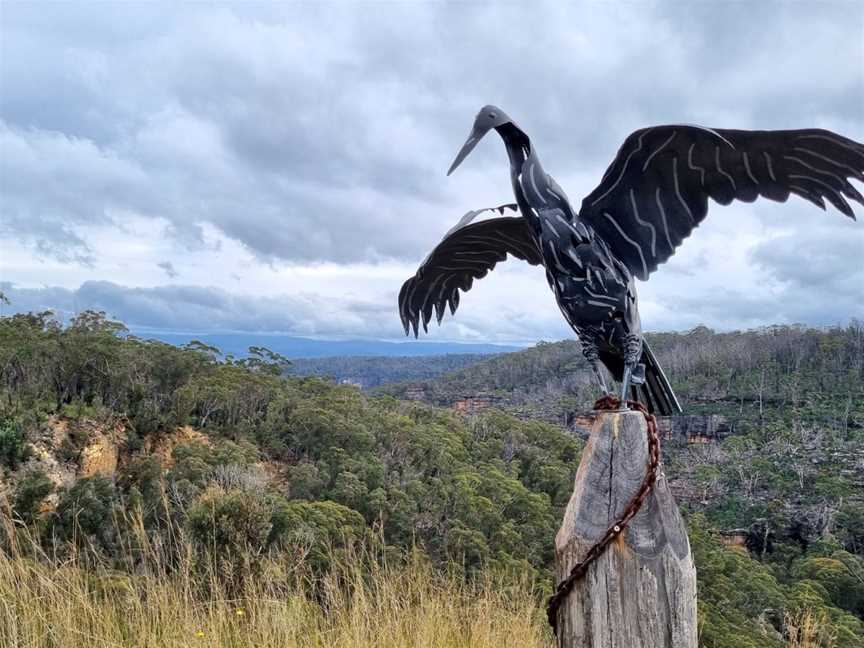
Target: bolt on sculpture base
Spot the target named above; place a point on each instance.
(641, 591)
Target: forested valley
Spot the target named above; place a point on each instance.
(130, 466)
(375, 371)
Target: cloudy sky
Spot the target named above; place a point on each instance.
(281, 167)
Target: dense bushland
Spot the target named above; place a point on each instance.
(374, 371)
(274, 477)
(814, 372)
(484, 493)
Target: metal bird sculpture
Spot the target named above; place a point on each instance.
(650, 199)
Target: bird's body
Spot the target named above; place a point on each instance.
(651, 197)
(595, 291)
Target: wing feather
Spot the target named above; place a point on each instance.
(656, 191)
(467, 253)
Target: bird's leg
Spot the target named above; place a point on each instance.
(591, 354)
(625, 385)
(632, 353)
(600, 377)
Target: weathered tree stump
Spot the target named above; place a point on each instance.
(641, 592)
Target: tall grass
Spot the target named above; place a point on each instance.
(807, 629)
(46, 601)
(174, 599)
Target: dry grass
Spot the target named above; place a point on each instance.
(809, 630)
(46, 602)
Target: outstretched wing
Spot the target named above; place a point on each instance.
(656, 190)
(466, 253)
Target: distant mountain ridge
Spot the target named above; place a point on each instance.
(237, 344)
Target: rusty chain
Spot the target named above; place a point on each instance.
(606, 403)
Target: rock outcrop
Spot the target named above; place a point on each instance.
(101, 453)
(476, 403)
(695, 428)
(692, 428)
(162, 445)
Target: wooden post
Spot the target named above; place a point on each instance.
(641, 592)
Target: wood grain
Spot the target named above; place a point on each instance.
(641, 593)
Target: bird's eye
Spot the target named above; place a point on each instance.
(492, 115)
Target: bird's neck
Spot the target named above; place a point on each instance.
(517, 143)
(518, 149)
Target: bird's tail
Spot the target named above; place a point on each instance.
(655, 392)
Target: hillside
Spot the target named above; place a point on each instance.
(374, 371)
(732, 372)
(136, 460)
(771, 446)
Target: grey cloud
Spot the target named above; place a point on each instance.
(819, 276)
(208, 309)
(322, 132)
(731, 309)
(314, 133)
(811, 276)
(59, 300)
(52, 183)
(203, 309)
(169, 269)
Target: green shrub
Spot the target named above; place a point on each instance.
(318, 530)
(32, 489)
(73, 444)
(85, 513)
(841, 577)
(13, 445)
(230, 523)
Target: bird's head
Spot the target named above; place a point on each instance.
(488, 118)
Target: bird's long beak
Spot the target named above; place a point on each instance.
(475, 136)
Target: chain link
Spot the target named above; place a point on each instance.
(607, 403)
